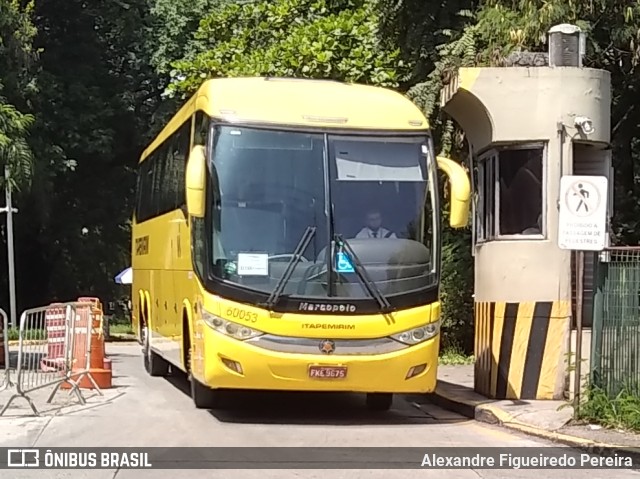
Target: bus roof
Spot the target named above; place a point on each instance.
(299, 103)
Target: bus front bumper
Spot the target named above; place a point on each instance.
(233, 364)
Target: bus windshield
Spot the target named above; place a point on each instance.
(368, 201)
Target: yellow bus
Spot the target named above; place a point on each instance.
(286, 237)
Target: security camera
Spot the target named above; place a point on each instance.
(585, 124)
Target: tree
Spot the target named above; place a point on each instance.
(296, 38)
(172, 24)
(14, 149)
(94, 104)
(16, 56)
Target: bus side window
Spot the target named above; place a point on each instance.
(144, 209)
(180, 146)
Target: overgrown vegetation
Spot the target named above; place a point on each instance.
(619, 412)
(455, 357)
(120, 329)
(291, 38)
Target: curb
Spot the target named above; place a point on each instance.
(483, 411)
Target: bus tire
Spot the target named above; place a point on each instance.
(203, 396)
(155, 364)
(379, 401)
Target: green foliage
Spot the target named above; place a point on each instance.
(31, 334)
(295, 38)
(14, 149)
(417, 28)
(172, 26)
(16, 51)
(454, 357)
(120, 329)
(619, 412)
(457, 289)
(94, 99)
(16, 55)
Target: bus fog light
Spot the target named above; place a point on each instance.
(415, 370)
(229, 328)
(233, 365)
(419, 334)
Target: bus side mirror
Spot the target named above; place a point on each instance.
(195, 181)
(460, 192)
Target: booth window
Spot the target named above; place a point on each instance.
(510, 193)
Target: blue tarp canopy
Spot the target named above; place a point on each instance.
(125, 276)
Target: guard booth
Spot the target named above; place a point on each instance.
(526, 127)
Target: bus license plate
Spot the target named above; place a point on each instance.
(328, 372)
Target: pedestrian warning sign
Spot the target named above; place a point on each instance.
(583, 213)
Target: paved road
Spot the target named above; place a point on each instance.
(145, 411)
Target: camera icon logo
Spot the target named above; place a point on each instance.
(23, 458)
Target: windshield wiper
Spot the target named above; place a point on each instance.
(275, 295)
(361, 271)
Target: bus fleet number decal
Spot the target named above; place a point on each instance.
(243, 315)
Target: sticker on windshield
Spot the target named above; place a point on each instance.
(343, 263)
(253, 264)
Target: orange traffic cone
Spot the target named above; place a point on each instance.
(99, 366)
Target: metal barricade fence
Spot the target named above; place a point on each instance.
(4, 354)
(54, 349)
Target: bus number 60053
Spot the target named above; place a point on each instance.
(242, 315)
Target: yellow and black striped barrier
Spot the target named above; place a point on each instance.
(520, 349)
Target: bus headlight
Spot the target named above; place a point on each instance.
(418, 335)
(229, 328)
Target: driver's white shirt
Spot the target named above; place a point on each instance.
(381, 233)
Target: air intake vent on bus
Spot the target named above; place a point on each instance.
(566, 46)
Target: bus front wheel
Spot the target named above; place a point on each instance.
(379, 401)
(203, 396)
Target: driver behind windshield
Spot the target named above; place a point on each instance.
(374, 228)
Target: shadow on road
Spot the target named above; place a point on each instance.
(306, 408)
